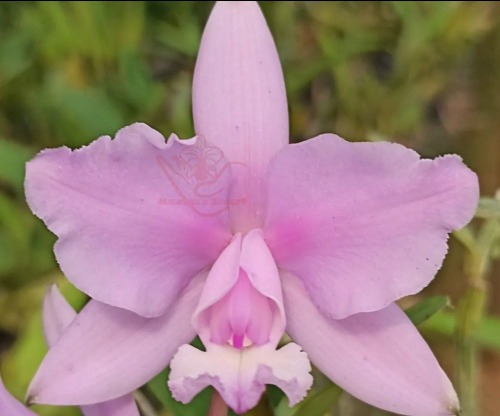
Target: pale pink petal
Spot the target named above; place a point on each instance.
(57, 316)
(258, 263)
(123, 406)
(242, 292)
(107, 352)
(378, 357)
(239, 100)
(240, 376)
(220, 280)
(9, 406)
(363, 224)
(131, 233)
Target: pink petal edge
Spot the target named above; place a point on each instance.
(9, 406)
(57, 316)
(129, 234)
(368, 223)
(239, 100)
(107, 352)
(378, 357)
(240, 376)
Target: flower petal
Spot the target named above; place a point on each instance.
(378, 357)
(239, 99)
(252, 256)
(10, 406)
(130, 234)
(107, 352)
(57, 316)
(363, 224)
(123, 406)
(240, 376)
(220, 280)
(257, 261)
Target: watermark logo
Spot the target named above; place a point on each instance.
(200, 177)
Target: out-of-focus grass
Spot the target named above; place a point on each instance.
(71, 71)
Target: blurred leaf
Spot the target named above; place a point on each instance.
(184, 38)
(275, 395)
(75, 298)
(488, 335)
(320, 402)
(488, 208)
(136, 84)
(7, 257)
(14, 56)
(198, 406)
(426, 309)
(91, 111)
(13, 157)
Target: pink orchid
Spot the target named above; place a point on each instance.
(57, 316)
(316, 239)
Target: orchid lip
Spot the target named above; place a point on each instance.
(243, 317)
(241, 304)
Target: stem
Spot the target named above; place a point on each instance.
(144, 404)
(218, 406)
(470, 314)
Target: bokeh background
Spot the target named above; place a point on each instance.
(425, 74)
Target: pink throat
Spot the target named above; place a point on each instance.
(243, 317)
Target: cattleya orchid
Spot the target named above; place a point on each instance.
(57, 316)
(238, 237)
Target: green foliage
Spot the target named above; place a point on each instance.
(411, 72)
(426, 309)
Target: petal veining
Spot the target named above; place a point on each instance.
(363, 224)
(239, 100)
(378, 357)
(131, 233)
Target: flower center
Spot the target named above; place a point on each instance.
(243, 317)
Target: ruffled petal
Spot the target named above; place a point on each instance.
(10, 406)
(107, 352)
(131, 222)
(239, 100)
(240, 376)
(363, 224)
(57, 316)
(378, 357)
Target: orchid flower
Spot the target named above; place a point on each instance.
(57, 316)
(238, 237)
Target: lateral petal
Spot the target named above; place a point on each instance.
(57, 316)
(363, 224)
(131, 231)
(378, 357)
(107, 352)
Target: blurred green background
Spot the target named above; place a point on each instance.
(425, 74)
